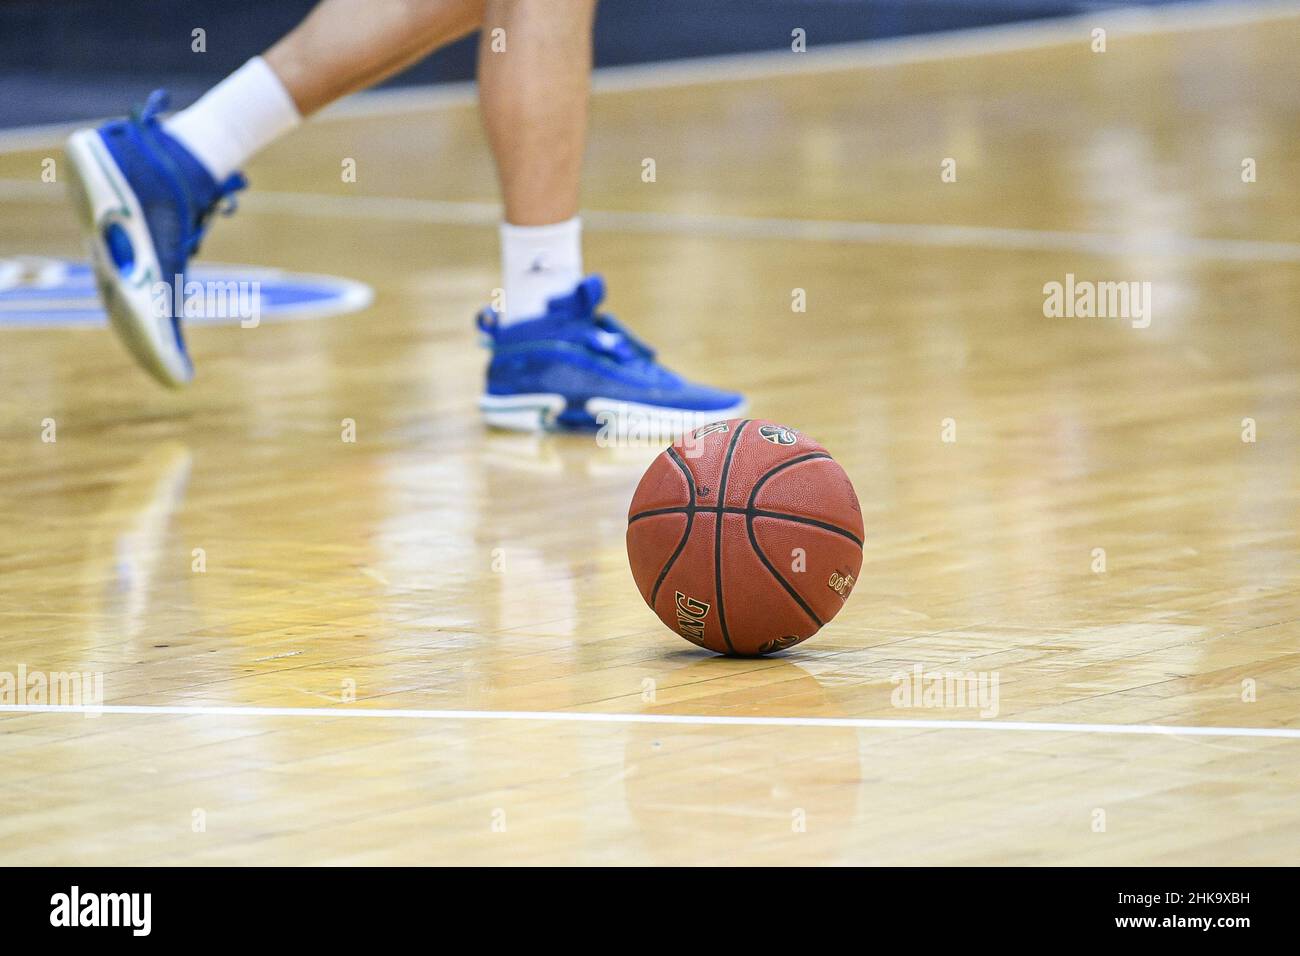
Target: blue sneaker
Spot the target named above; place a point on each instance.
(577, 368)
(144, 203)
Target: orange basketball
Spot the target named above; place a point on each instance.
(745, 537)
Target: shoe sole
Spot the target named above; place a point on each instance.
(612, 419)
(103, 198)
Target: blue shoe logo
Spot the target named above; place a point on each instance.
(38, 292)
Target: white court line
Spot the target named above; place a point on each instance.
(690, 720)
(820, 58)
(749, 66)
(717, 225)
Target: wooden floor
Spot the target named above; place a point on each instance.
(433, 566)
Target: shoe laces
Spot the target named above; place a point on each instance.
(603, 333)
(197, 221)
(610, 337)
(224, 202)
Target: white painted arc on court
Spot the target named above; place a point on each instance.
(690, 720)
(717, 225)
(723, 226)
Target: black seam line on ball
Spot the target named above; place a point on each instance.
(763, 478)
(717, 536)
(678, 510)
(789, 589)
(751, 513)
(686, 532)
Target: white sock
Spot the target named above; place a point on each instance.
(236, 118)
(539, 263)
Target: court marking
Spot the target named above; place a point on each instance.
(43, 292)
(720, 225)
(444, 212)
(763, 64)
(691, 720)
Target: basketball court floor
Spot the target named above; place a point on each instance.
(425, 646)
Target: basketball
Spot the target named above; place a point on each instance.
(931, 366)
(745, 537)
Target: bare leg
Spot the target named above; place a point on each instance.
(346, 45)
(342, 46)
(533, 97)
